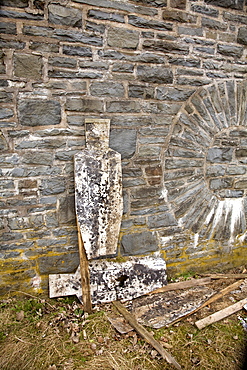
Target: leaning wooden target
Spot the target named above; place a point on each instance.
(98, 191)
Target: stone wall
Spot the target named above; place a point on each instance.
(170, 75)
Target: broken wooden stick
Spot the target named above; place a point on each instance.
(212, 299)
(217, 316)
(85, 275)
(226, 276)
(182, 285)
(146, 335)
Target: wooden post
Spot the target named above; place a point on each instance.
(85, 274)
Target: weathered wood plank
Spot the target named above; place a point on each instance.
(217, 316)
(111, 280)
(98, 191)
(226, 276)
(212, 299)
(182, 285)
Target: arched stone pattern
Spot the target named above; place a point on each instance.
(205, 163)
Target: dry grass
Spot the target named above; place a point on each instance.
(56, 332)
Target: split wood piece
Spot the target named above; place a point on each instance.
(182, 285)
(85, 275)
(146, 335)
(120, 325)
(217, 316)
(212, 299)
(226, 276)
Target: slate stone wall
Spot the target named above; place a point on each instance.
(170, 74)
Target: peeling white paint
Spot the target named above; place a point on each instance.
(110, 280)
(98, 195)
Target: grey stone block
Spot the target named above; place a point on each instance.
(63, 35)
(158, 3)
(144, 23)
(7, 236)
(231, 193)
(67, 209)
(94, 27)
(157, 75)
(165, 108)
(231, 50)
(51, 220)
(6, 113)
(165, 219)
(5, 44)
(194, 63)
(74, 75)
(122, 38)
(193, 81)
(216, 25)
(84, 105)
(165, 46)
(9, 28)
(6, 97)
(179, 4)
(178, 16)
(215, 170)
(123, 141)
(15, 3)
(58, 264)
(242, 35)
(20, 15)
(148, 57)
(98, 14)
(43, 47)
(55, 185)
(171, 93)
(237, 18)
(38, 157)
(182, 163)
(64, 15)
(77, 51)
(39, 112)
(108, 4)
(139, 243)
(123, 67)
(241, 184)
(220, 155)
(190, 31)
(123, 107)
(149, 151)
(128, 183)
(62, 62)
(211, 12)
(66, 155)
(141, 91)
(28, 66)
(223, 183)
(236, 170)
(233, 4)
(112, 89)
(76, 121)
